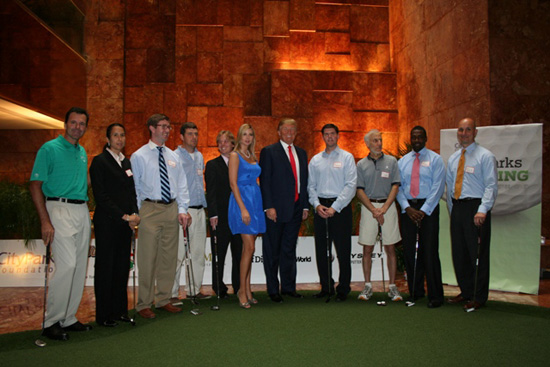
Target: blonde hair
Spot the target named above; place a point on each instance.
(240, 134)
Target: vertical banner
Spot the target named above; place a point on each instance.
(516, 216)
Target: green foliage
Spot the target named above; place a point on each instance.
(18, 216)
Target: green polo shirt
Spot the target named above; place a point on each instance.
(62, 167)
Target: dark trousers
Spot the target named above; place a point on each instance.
(427, 263)
(279, 252)
(112, 266)
(464, 238)
(339, 232)
(226, 238)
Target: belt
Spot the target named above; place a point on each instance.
(327, 201)
(416, 201)
(160, 201)
(379, 201)
(196, 207)
(65, 200)
(464, 200)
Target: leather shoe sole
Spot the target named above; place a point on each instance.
(292, 294)
(78, 326)
(147, 313)
(456, 299)
(172, 309)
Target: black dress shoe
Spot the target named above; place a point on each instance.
(108, 323)
(341, 297)
(322, 294)
(276, 298)
(292, 294)
(224, 295)
(434, 304)
(78, 326)
(125, 318)
(55, 332)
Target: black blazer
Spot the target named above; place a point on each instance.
(113, 187)
(277, 180)
(216, 175)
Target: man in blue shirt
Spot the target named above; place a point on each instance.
(163, 199)
(331, 186)
(193, 167)
(422, 184)
(472, 186)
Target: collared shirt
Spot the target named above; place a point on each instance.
(63, 169)
(193, 166)
(431, 179)
(332, 176)
(285, 147)
(118, 157)
(480, 176)
(145, 166)
(377, 176)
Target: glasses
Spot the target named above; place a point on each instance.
(164, 127)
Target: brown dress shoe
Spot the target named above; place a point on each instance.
(456, 299)
(472, 305)
(147, 313)
(168, 307)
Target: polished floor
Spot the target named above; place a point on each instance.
(22, 308)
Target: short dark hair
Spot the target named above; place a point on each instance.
(110, 128)
(80, 111)
(419, 128)
(187, 125)
(155, 119)
(330, 126)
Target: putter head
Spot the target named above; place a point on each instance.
(195, 312)
(133, 322)
(40, 343)
(409, 303)
(215, 308)
(470, 309)
(381, 303)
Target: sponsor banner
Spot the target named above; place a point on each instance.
(22, 267)
(516, 216)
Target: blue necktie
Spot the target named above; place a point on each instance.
(164, 182)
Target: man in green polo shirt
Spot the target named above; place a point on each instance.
(59, 187)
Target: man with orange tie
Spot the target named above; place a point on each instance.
(283, 182)
(471, 193)
(422, 174)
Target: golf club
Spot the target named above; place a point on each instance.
(216, 307)
(411, 302)
(381, 303)
(329, 267)
(381, 256)
(40, 342)
(472, 303)
(190, 276)
(133, 318)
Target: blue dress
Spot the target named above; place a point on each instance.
(252, 199)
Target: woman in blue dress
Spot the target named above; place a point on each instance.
(246, 214)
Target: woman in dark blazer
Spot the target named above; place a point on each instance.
(114, 219)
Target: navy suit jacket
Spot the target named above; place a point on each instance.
(217, 190)
(277, 180)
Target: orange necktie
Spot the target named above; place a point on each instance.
(460, 175)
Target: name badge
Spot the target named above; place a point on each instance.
(171, 163)
(337, 165)
(470, 169)
(199, 172)
(385, 174)
(129, 173)
(425, 163)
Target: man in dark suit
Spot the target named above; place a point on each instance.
(284, 192)
(217, 198)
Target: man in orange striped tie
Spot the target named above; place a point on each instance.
(471, 193)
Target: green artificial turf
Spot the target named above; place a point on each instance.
(304, 332)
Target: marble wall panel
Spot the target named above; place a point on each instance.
(40, 97)
(333, 107)
(307, 47)
(104, 111)
(134, 100)
(265, 128)
(369, 24)
(223, 118)
(301, 14)
(136, 67)
(243, 57)
(198, 12)
(276, 18)
(154, 99)
(339, 62)
(370, 56)
(276, 49)
(337, 42)
(199, 115)
(175, 103)
(434, 10)
(292, 93)
(210, 39)
(39, 68)
(186, 70)
(473, 32)
(374, 91)
(306, 135)
(332, 17)
(470, 74)
(233, 12)
(257, 94)
(105, 79)
(149, 30)
(161, 65)
(383, 121)
(210, 67)
(242, 34)
(205, 94)
(167, 7)
(186, 41)
(332, 80)
(233, 90)
(136, 7)
(439, 39)
(256, 13)
(106, 40)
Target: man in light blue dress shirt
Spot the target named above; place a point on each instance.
(160, 217)
(420, 213)
(193, 167)
(331, 186)
(471, 214)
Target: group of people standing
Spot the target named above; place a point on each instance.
(162, 191)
